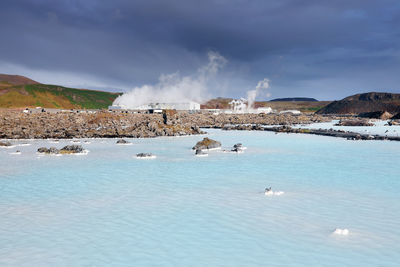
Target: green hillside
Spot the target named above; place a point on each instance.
(52, 96)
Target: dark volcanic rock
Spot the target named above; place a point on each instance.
(144, 155)
(51, 150)
(361, 103)
(396, 117)
(122, 142)
(382, 115)
(207, 143)
(71, 149)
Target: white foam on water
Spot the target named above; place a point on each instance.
(15, 153)
(126, 144)
(25, 144)
(8, 147)
(201, 155)
(339, 231)
(272, 193)
(83, 153)
(148, 157)
(211, 149)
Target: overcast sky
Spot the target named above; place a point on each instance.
(315, 48)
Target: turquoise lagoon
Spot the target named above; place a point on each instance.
(108, 208)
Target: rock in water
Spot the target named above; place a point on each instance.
(145, 156)
(207, 143)
(51, 150)
(122, 142)
(72, 149)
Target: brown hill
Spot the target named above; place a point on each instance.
(7, 80)
(363, 103)
(303, 106)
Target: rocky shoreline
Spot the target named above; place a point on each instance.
(16, 125)
(323, 132)
(104, 124)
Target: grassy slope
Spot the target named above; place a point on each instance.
(53, 96)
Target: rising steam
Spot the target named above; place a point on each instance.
(173, 88)
(252, 94)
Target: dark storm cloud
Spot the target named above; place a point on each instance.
(325, 49)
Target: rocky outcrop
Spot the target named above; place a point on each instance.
(101, 124)
(145, 156)
(362, 103)
(72, 149)
(381, 115)
(207, 143)
(354, 123)
(122, 142)
(51, 150)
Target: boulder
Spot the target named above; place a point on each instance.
(122, 142)
(72, 149)
(51, 150)
(207, 143)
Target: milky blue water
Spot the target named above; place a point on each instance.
(380, 127)
(110, 209)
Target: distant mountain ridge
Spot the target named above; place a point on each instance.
(363, 103)
(294, 99)
(19, 92)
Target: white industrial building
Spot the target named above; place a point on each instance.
(191, 106)
(241, 106)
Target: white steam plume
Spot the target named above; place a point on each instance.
(173, 87)
(252, 94)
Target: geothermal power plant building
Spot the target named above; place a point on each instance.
(161, 106)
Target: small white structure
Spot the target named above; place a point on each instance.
(294, 112)
(265, 110)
